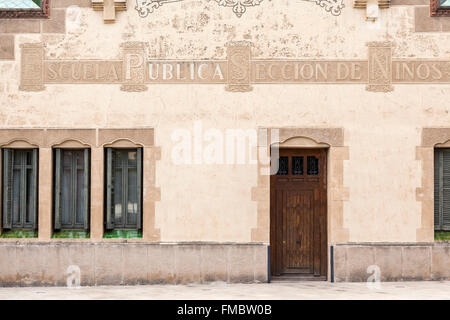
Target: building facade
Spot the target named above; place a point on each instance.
(155, 141)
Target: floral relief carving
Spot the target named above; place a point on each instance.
(239, 7)
(144, 7)
(333, 6)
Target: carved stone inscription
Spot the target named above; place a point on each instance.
(239, 66)
(85, 71)
(309, 71)
(404, 71)
(380, 66)
(239, 72)
(134, 67)
(187, 72)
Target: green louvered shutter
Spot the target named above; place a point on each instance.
(58, 175)
(86, 189)
(8, 162)
(442, 189)
(35, 188)
(437, 208)
(109, 190)
(72, 190)
(20, 169)
(446, 190)
(139, 188)
(123, 188)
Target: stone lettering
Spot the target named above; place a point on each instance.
(271, 73)
(153, 67)
(436, 73)
(343, 71)
(167, 71)
(200, 71)
(421, 71)
(239, 66)
(308, 71)
(322, 69)
(218, 74)
(88, 71)
(133, 60)
(82, 71)
(179, 77)
(355, 71)
(287, 71)
(51, 71)
(134, 67)
(186, 72)
(239, 71)
(380, 66)
(260, 72)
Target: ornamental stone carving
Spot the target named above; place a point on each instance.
(32, 66)
(239, 66)
(380, 66)
(238, 73)
(239, 7)
(134, 67)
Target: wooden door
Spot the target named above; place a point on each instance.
(298, 219)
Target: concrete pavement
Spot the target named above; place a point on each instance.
(219, 290)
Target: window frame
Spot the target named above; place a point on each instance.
(8, 168)
(109, 186)
(436, 10)
(57, 189)
(44, 12)
(441, 220)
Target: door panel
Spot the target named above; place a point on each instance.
(298, 214)
(299, 231)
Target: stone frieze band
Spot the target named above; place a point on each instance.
(239, 72)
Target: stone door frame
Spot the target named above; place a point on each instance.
(337, 193)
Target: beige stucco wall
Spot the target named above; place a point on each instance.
(213, 202)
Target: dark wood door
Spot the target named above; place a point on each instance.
(298, 216)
